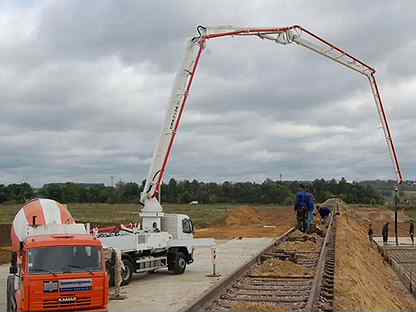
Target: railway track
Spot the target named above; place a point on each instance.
(280, 279)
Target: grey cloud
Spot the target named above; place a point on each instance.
(84, 88)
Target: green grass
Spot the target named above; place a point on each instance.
(7, 212)
(412, 213)
(202, 215)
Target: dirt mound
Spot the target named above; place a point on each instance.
(267, 222)
(297, 235)
(244, 307)
(300, 236)
(279, 268)
(232, 232)
(243, 216)
(363, 281)
(299, 246)
(4, 255)
(378, 216)
(5, 235)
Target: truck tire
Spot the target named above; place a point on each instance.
(179, 264)
(127, 273)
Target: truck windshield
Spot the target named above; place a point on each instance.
(71, 259)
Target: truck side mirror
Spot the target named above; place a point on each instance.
(187, 226)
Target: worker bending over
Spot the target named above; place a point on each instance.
(324, 213)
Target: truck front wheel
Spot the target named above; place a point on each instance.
(127, 273)
(178, 265)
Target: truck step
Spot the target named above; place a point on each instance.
(146, 264)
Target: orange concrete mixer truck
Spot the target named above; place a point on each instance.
(56, 265)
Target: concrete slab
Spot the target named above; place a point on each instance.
(162, 291)
(403, 241)
(4, 271)
(402, 258)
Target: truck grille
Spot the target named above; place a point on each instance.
(66, 302)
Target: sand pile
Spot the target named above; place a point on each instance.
(363, 281)
(237, 223)
(301, 242)
(297, 235)
(300, 236)
(241, 307)
(299, 246)
(243, 216)
(381, 215)
(279, 268)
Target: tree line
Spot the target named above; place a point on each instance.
(185, 191)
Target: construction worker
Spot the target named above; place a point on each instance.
(300, 209)
(118, 271)
(412, 232)
(311, 211)
(302, 204)
(385, 233)
(324, 213)
(155, 228)
(115, 267)
(370, 233)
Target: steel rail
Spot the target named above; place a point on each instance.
(317, 282)
(216, 290)
(313, 296)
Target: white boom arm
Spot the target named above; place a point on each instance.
(294, 34)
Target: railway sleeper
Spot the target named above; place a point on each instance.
(258, 299)
(268, 293)
(277, 282)
(272, 288)
(227, 306)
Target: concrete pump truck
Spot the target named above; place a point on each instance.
(166, 241)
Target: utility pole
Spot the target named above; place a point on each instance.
(396, 207)
(281, 178)
(112, 181)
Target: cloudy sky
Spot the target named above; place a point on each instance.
(84, 87)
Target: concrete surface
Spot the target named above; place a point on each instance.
(403, 241)
(4, 271)
(162, 291)
(402, 258)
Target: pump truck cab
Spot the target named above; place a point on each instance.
(56, 264)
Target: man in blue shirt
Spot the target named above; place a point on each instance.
(304, 207)
(324, 213)
(311, 212)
